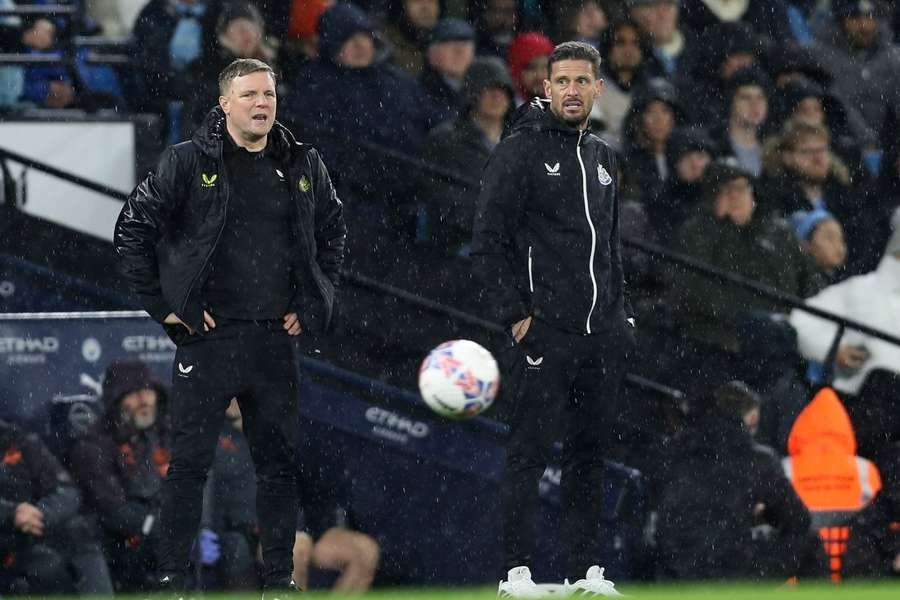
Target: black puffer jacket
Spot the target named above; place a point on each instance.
(168, 229)
(546, 235)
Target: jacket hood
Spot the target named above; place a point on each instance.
(485, 72)
(823, 427)
(124, 377)
(337, 25)
(536, 116)
(210, 135)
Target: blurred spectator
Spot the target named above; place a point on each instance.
(37, 499)
(858, 53)
(408, 29)
(672, 43)
(655, 111)
(822, 238)
(866, 368)
(46, 86)
(831, 480)
(240, 34)
(874, 546)
(731, 235)
(766, 17)
(301, 44)
(736, 398)
(115, 17)
(119, 467)
(747, 106)
(624, 53)
(527, 59)
(12, 77)
(723, 491)
(356, 107)
(579, 21)
(451, 50)
(167, 37)
(729, 48)
(496, 22)
(227, 544)
(688, 153)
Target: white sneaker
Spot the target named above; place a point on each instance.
(594, 584)
(519, 585)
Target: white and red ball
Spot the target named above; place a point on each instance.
(459, 379)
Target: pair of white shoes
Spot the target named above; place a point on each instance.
(520, 585)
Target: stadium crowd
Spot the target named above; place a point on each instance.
(758, 137)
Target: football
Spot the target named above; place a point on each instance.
(459, 379)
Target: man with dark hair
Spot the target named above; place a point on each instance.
(234, 243)
(546, 247)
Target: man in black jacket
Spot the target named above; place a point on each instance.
(546, 247)
(234, 243)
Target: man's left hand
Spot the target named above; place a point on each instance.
(292, 324)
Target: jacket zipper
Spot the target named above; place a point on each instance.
(530, 274)
(587, 215)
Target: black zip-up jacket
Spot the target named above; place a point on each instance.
(169, 227)
(546, 233)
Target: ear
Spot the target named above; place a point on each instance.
(547, 88)
(598, 87)
(225, 103)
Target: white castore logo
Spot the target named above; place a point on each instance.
(534, 362)
(552, 171)
(184, 370)
(603, 175)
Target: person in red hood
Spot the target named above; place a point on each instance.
(826, 473)
(527, 58)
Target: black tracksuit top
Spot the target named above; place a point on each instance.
(546, 234)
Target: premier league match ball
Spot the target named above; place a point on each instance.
(459, 379)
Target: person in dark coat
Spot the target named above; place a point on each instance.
(451, 49)
(119, 468)
(727, 510)
(747, 107)
(37, 499)
(767, 18)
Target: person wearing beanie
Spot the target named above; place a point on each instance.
(451, 49)
(409, 29)
(119, 467)
(674, 46)
(496, 22)
(822, 238)
(867, 369)
(747, 107)
(527, 59)
(625, 52)
(730, 234)
(857, 51)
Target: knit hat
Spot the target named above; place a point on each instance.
(806, 221)
(304, 16)
(841, 9)
(744, 77)
(687, 139)
(485, 72)
(233, 12)
(524, 48)
(720, 173)
(893, 245)
(451, 30)
(125, 376)
(338, 24)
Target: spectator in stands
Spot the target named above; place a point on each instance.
(766, 17)
(655, 111)
(624, 53)
(168, 36)
(859, 55)
(867, 369)
(46, 86)
(496, 22)
(822, 238)
(527, 59)
(327, 537)
(409, 31)
(731, 235)
(874, 546)
(302, 42)
(451, 50)
(119, 468)
(688, 153)
(229, 533)
(728, 48)
(115, 17)
(580, 21)
(673, 45)
(12, 78)
(747, 104)
(723, 491)
(822, 465)
(347, 101)
(37, 499)
(240, 34)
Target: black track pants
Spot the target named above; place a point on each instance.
(255, 363)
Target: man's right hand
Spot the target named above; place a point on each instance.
(851, 357)
(208, 322)
(521, 328)
(29, 519)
